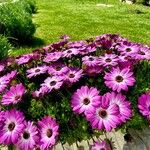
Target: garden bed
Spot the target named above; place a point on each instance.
(69, 92)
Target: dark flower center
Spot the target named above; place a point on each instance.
(102, 113)
(102, 148)
(119, 78)
(108, 60)
(91, 58)
(58, 68)
(11, 126)
(69, 51)
(37, 70)
(86, 101)
(17, 97)
(128, 50)
(52, 83)
(149, 108)
(26, 135)
(71, 75)
(49, 133)
(142, 53)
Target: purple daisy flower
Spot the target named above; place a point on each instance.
(13, 127)
(126, 62)
(84, 99)
(29, 137)
(51, 83)
(49, 132)
(2, 119)
(108, 60)
(47, 48)
(73, 75)
(119, 79)
(52, 57)
(5, 80)
(76, 44)
(14, 95)
(90, 61)
(100, 146)
(124, 105)
(41, 92)
(87, 49)
(24, 59)
(105, 116)
(2, 67)
(92, 71)
(128, 49)
(70, 52)
(144, 105)
(36, 71)
(3, 83)
(143, 54)
(58, 69)
(11, 75)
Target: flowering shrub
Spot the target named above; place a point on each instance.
(73, 91)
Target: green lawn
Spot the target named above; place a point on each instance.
(82, 19)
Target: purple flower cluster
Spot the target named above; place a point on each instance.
(26, 134)
(103, 112)
(79, 68)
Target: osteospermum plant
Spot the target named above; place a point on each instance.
(73, 91)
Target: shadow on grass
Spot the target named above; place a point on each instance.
(33, 42)
(27, 47)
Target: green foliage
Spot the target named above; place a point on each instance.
(4, 47)
(16, 22)
(142, 72)
(29, 5)
(145, 2)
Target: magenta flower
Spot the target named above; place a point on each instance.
(41, 92)
(73, 75)
(100, 146)
(11, 75)
(77, 44)
(70, 52)
(47, 48)
(51, 83)
(36, 71)
(52, 57)
(105, 116)
(49, 132)
(13, 127)
(2, 67)
(144, 105)
(119, 79)
(92, 71)
(124, 105)
(2, 119)
(24, 59)
(84, 99)
(29, 137)
(14, 95)
(90, 61)
(143, 54)
(108, 60)
(128, 49)
(58, 69)
(126, 62)
(5, 80)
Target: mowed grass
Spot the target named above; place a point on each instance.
(82, 19)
